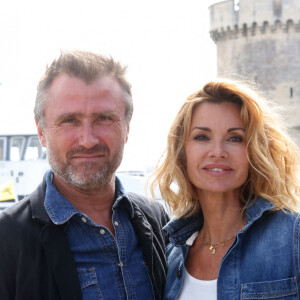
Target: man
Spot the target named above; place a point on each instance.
(79, 235)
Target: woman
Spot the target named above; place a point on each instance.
(236, 233)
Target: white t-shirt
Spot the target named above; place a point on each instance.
(194, 288)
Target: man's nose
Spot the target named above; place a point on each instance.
(88, 136)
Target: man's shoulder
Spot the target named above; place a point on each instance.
(153, 210)
(15, 221)
(146, 204)
(21, 214)
(15, 212)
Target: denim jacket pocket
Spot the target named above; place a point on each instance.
(277, 289)
(89, 284)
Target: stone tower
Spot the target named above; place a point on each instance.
(260, 39)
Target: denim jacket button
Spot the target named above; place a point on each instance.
(178, 273)
(120, 264)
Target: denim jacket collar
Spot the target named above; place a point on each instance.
(179, 230)
(255, 209)
(60, 210)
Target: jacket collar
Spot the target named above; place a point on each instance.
(38, 196)
(37, 203)
(61, 210)
(256, 208)
(179, 230)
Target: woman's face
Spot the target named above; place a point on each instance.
(216, 149)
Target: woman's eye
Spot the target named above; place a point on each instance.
(236, 139)
(201, 137)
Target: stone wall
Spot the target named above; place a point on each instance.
(260, 40)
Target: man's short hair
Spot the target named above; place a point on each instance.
(87, 66)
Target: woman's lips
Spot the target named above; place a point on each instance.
(217, 169)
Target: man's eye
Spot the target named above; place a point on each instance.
(105, 119)
(201, 137)
(69, 121)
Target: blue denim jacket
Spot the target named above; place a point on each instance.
(262, 263)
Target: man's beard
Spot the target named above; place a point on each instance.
(81, 176)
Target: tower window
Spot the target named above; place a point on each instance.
(277, 7)
(291, 92)
(236, 5)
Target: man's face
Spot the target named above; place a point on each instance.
(85, 130)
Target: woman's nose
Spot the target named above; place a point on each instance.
(218, 149)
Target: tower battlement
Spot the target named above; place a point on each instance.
(235, 19)
(246, 30)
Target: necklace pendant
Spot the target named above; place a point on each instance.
(212, 249)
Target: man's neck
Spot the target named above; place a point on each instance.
(96, 204)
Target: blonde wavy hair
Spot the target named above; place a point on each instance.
(272, 155)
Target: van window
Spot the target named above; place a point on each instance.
(16, 148)
(2, 148)
(34, 149)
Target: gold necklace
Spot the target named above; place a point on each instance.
(213, 246)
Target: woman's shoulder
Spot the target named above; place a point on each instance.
(264, 211)
(284, 217)
(275, 224)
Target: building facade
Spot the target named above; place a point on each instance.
(260, 40)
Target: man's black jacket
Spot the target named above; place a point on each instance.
(36, 262)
